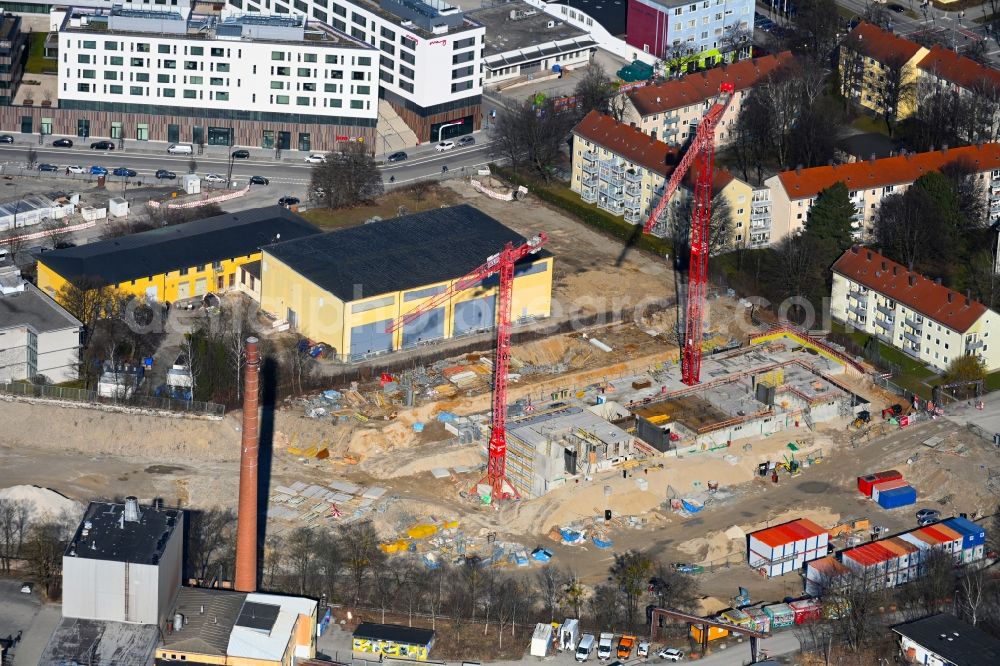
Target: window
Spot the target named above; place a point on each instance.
(302, 101)
(136, 62)
(196, 80)
(339, 9)
(387, 47)
(406, 71)
(406, 56)
(388, 34)
(304, 71)
(277, 55)
(142, 77)
(83, 58)
(218, 52)
(308, 57)
(283, 71)
(89, 73)
(364, 61)
(459, 58)
(463, 43)
(89, 45)
(142, 134)
(221, 96)
(363, 90)
(357, 104)
(110, 46)
(190, 65)
(408, 43)
(460, 86)
(83, 87)
(135, 90)
(335, 103)
(197, 50)
(190, 94)
(163, 78)
(358, 19)
(331, 59)
(110, 76)
(168, 92)
(406, 85)
(281, 99)
(216, 81)
(461, 72)
(357, 76)
(386, 76)
(116, 61)
(277, 85)
(309, 87)
(335, 74)
(222, 66)
(169, 64)
(163, 48)
(115, 90)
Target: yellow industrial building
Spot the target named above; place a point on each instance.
(176, 262)
(344, 288)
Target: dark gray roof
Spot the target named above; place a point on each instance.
(503, 34)
(394, 632)
(111, 538)
(100, 643)
(398, 254)
(180, 246)
(865, 144)
(33, 308)
(256, 615)
(953, 640)
(208, 632)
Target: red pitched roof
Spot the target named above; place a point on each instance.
(880, 44)
(902, 169)
(636, 147)
(700, 86)
(913, 290)
(963, 72)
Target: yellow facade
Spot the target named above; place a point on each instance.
(173, 286)
(872, 77)
(323, 317)
(391, 649)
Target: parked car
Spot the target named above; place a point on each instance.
(927, 517)
(163, 174)
(670, 654)
(214, 178)
(98, 171)
(316, 158)
(397, 156)
(259, 180)
(102, 145)
(26, 588)
(62, 143)
(125, 172)
(288, 201)
(444, 145)
(62, 245)
(643, 649)
(899, 9)
(241, 154)
(47, 167)
(6, 138)
(180, 149)
(467, 141)
(75, 168)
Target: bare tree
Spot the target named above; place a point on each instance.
(14, 526)
(902, 227)
(971, 594)
(361, 551)
(736, 41)
(573, 592)
(548, 586)
(31, 157)
(678, 59)
(595, 90)
(630, 572)
(896, 90)
(532, 136)
(210, 535)
(44, 549)
(720, 227)
(674, 589)
(301, 558)
(347, 178)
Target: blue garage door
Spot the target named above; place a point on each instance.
(426, 327)
(370, 339)
(475, 315)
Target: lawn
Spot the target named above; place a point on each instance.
(993, 381)
(415, 199)
(37, 63)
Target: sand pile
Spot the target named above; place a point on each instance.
(45, 503)
(423, 459)
(560, 349)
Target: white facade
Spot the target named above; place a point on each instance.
(238, 66)
(928, 340)
(37, 336)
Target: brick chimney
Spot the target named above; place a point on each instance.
(246, 525)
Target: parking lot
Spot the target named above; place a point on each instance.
(17, 611)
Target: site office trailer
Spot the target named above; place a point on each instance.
(866, 482)
(882, 486)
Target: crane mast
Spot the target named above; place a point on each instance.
(702, 151)
(501, 264)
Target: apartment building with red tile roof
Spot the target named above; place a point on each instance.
(913, 313)
(667, 110)
(945, 66)
(794, 192)
(868, 55)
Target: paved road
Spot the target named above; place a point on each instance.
(292, 173)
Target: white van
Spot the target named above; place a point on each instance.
(585, 647)
(180, 149)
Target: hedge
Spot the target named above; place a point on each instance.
(570, 202)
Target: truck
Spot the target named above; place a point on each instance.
(604, 645)
(625, 646)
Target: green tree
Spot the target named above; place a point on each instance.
(942, 192)
(631, 572)
(966, 368)
(830, 217)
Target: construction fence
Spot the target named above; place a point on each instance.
(193, 407)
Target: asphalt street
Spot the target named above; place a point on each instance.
(291, 175)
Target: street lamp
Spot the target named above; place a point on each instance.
(441, 129)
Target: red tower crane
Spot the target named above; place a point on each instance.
(702, 149)
(501, 263)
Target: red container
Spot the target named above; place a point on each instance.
(807, 610)
(866, 482)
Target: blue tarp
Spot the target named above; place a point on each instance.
(602, 544)
(541, 555)
(418, 427)
(332, 395)
(445, 417)
(691, 506)
(571, 536)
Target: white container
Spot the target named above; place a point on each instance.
(540, 639)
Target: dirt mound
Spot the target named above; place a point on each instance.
(45, 503)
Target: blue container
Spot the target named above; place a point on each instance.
(897, 497)
(972, 534)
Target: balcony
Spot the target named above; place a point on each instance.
(860, 311)
(886, 310)
(631, 176)
(613, 207)
(633, 190)
(590, 180)
(590, 156)
(589, 167)
(611, 191)
(912, 337)
(914, 324)
(884, 324)
(973, 346)
(633, 216)
(756, 225)
(589, 194)
(860, 297)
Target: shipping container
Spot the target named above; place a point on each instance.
(735, 616)
(785, 548)
(891, 484)
(951, 539)
(714, 633)
(759, 620)
(781, 615)
(898, 497)
(806, 610)
(973, 534)
(866, 482)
